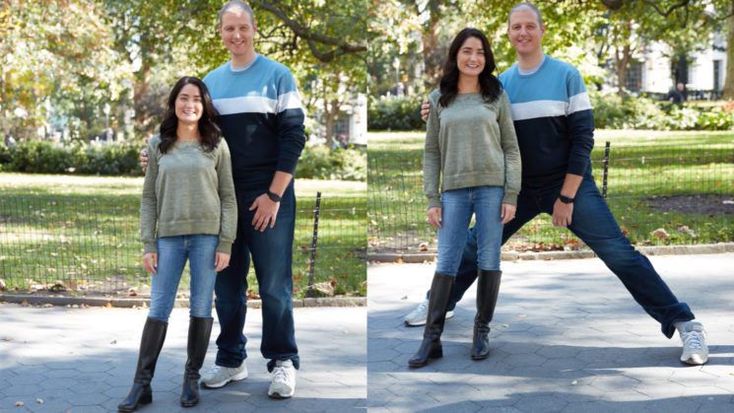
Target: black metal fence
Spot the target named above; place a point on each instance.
(78, 244)
(660, 193)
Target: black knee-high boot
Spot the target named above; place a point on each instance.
(431, 346)
(154, 334)
(200, 330)
(488, 288)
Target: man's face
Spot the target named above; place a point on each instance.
(525, 32)
(238, 32)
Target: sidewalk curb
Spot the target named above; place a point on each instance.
(566, 255)
(59, 300)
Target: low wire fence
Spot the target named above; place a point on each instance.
(78, 244)
(660, 193)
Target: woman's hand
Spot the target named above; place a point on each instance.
(434, 217)
(508, 213)
(150, 262)
(221, 261)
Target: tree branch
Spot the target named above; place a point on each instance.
(313, 39)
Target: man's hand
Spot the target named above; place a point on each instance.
(150, 262)
(508, 213)
(425, 110)
(221, 261)
(434, 217)
(265, 212)
(143, 158)
(562, 213)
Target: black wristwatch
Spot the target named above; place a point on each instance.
(565, 199)
(273, 196)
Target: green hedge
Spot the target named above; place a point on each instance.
(77, 158)
(395, 114)
(614, 112)
(320, 162)
(317, 162)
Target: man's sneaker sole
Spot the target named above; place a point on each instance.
(695, 360)
(219, 385)
(449, 314)
(279, 396)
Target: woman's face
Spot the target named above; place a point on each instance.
(189, 107)
(470, 59)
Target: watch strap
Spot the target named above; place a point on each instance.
(273, 196)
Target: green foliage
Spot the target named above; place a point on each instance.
(614, 112)
(320, 162)
(77, 158)
(396, 114)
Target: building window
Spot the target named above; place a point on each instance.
(633, 83)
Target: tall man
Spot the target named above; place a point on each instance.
(261, 118)
(554, 124)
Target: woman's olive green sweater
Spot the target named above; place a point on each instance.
(188, 191)
(470, 143)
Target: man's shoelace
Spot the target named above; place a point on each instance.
(280, 374)
(693, 340)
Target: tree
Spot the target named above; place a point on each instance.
(55, 55)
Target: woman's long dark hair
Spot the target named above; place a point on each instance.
(208, 129)
(489, 85)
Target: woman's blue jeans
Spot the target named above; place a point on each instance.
(173, 252)
(458, 205)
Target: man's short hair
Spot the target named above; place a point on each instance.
(527, 5)
(235, 4)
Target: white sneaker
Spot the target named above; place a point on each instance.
(418, 316)
(695, 350)
(283, 384)
(218, 376)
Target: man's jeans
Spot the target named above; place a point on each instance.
(271, 252)
(594, 224)
(172, 254)
(457, 208)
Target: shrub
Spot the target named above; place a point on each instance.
(715, 119)
(320, 162)
(614, 112)
(85, 159)
(397, 114)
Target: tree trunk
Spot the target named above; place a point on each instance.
(431, 53)
(728, 92)
(621, 63)
(329, 123)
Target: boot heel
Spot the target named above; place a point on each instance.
(146, 399)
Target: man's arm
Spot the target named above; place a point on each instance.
(291, 138)
(581, 128)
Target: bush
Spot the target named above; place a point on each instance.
(320, 162)
(85, 159)
(614, 112)
(396, 114)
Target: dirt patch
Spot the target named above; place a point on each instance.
(693, 204)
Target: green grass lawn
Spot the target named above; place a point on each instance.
(644, 166)
(84, 231)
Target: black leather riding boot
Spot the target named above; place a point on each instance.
(488, 287)
(154, 334)
(200, 329)
(431, 346)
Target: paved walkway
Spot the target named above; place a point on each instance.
(566, 337)
(82, 360)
